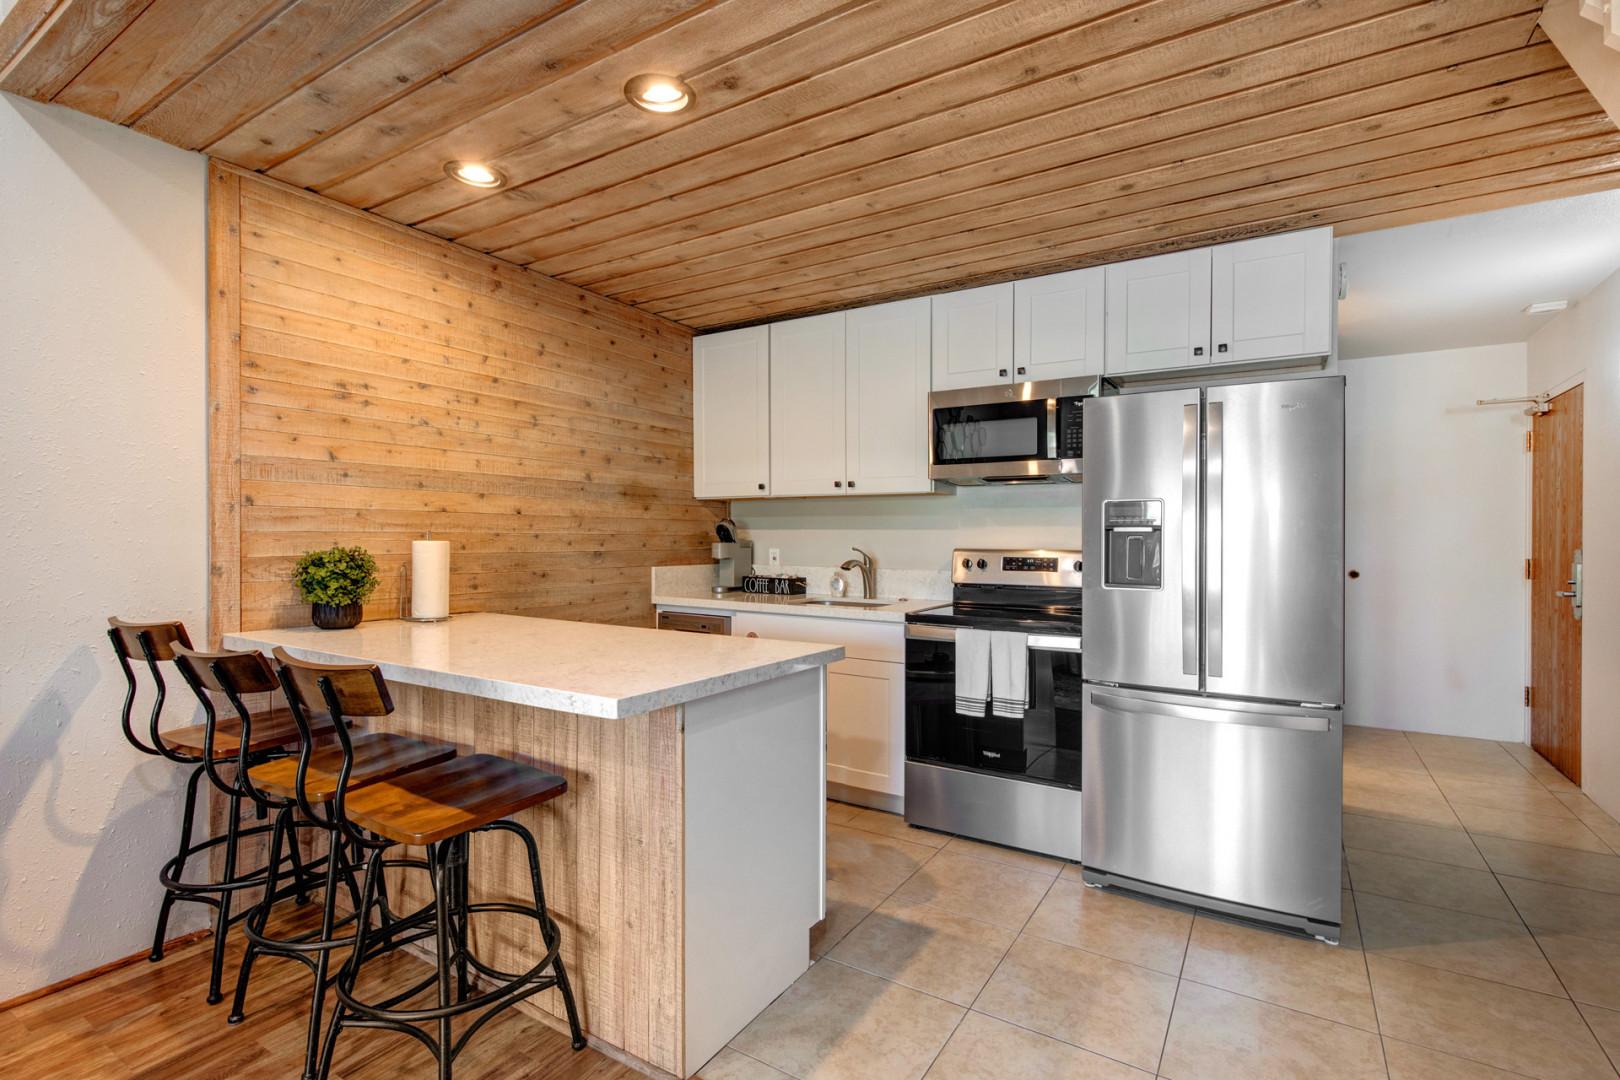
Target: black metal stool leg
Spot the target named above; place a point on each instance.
(185, 846)
(323, 958)
(441, 858)
(549, 933)
(261, 914)
(222, 914)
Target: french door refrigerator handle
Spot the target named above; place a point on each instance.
(1214, 526)
(1211, 715)
(1189, 540)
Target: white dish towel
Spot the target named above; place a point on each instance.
(1009, 671)
(972, 671)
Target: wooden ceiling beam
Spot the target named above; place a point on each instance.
(1601, 168)
(50, 44)
(1217, 151)
(1164, 102)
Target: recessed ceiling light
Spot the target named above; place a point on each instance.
(475, 173)
(1546, 305)
(658, 93)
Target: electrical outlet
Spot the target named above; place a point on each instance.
(773, 558)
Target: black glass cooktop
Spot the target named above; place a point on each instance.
(1054, 619)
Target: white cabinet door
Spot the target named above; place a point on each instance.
(731, 414)
(1158, 312)
(887, 363)
(866, 739)
(1272, 298)
(1058, 325)
(807, 406)
(972, 340)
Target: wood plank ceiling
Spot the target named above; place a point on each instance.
(844, 151)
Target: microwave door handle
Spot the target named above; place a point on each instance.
(1051, 429)
(1189, 540)
(1214, 527)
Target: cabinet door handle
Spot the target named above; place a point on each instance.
(838, 483)
(1020, 371)
(852, 485)
(1220, 348)
(1002, 372)
(1198, 350)
(762, 487)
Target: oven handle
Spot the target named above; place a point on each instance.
(1039, 642)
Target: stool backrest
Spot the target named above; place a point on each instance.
(231, 674)
(150, 643)
(341, 691)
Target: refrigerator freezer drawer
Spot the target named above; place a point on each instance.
(1235, 801)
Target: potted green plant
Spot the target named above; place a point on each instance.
(335, 584)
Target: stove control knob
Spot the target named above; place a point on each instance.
(1077, 566)
(981, 564)
(967, 564)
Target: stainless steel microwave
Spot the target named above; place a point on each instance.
(1013, 433)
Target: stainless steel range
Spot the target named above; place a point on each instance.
(1002, 765)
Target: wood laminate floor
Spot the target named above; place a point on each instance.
(1482, 942)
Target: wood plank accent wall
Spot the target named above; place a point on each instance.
(370, 384)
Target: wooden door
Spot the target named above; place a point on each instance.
(807, 406)
(1058, 325)
(973, 337)
(887, 405)
(1272, 297)
(731, 414)
(1158, 312)
(1555, 536)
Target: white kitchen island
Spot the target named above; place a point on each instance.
(686, 862)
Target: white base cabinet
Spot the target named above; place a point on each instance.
(866, 738)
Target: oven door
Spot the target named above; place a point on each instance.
(1041, 746)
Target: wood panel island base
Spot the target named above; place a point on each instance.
(686, 862)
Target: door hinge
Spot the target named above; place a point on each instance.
(1529, 442)
(1527, 697)
(1528, 574)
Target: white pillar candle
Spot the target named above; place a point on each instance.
(430, 579)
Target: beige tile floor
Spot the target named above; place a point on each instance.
(1482, 940)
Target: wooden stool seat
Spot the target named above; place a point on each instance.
(377, 756)
(270, 730)
(448, 800)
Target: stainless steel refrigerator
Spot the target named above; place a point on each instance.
(1213, 616)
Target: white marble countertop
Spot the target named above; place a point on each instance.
(893, 611)
(586, 668)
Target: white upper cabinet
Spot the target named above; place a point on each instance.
(807, 406)
(887, 385)
(1158, 312)
(1058, 325)
(731, 414)
(1272, 298)
(973, 339)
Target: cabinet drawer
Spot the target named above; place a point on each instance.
(861, 640)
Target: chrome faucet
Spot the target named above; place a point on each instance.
(868, 568)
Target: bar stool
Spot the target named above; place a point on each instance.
(252, 738)
(438, 807)
(273, 785)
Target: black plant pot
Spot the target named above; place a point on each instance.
(335, 616)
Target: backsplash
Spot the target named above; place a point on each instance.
(891, 584)
(910, 532)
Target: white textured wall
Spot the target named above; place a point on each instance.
(102, 474)
(1584, 343)
(1436, 510)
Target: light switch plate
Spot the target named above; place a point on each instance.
(773, 558)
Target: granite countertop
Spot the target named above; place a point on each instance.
(893, 611)
(587, 668)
